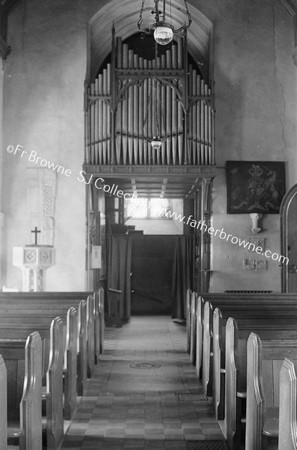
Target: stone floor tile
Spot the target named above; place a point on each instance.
(127, 407)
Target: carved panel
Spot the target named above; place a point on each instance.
(41, 196)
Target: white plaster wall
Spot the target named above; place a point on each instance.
(255, 95)
(44, 89)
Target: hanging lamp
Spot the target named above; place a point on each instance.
(162, 30)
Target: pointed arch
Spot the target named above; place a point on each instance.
(125, 20)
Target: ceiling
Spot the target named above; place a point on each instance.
(148, 181)
(125, 21)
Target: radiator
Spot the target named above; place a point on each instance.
(248, 292)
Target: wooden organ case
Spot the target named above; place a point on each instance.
(133, 99)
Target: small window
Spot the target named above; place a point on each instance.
(147, 208)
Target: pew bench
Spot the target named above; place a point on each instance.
(83, 344)
(24, 374)
(53, 391)
(13, 352)
(267, 329)
(23, 321)
(45, 306)
(73, 357)
(240, 306)
(251, 315)
(264, 361)
(210, 345)
(236, 390)
(287, 430)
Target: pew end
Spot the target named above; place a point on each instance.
(53, 396)
(267, 401)
(199, 336)
(287, 406)
(193, 307)
(219, 372)
(24, 428)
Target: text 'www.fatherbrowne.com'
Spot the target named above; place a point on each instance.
(250, 246)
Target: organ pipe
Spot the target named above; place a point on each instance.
(150, 99)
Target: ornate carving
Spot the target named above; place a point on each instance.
(41, 196)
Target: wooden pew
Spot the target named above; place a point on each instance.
(235, 387)
(199, 335)
(90, 333)
(54, 382)
(222, 300)
(53, 394)
(28, 319)
(54, 387)
(23, 363)
(253, 317)
(82, 366)
(193, 304)
(276, 348)
(19, 330)
(70, 369)
(218, 339)
(250, 316)
(245, 303)
(16, 323)
(207, 354)
(188, 319)
(101, 318)
(73, 296)
(264, 360)
(45, 308)
(287, 434)
(99, 323)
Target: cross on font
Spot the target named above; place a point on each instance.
(35, 231)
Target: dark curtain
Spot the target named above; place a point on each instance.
(118, 270)
(182, 274)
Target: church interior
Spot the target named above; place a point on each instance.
(147, 224)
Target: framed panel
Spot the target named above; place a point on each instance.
(255, 187)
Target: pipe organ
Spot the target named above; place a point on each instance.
(134, 99)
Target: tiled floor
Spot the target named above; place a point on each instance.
(132, 400)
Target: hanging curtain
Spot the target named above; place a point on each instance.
(118, 270)
(182, 274)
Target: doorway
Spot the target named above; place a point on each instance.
(288, 215)
(151, 281)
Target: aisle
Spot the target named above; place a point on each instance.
(144, 394)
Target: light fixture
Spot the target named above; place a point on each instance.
(163, 35)
(156, 143)
(163, 31)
